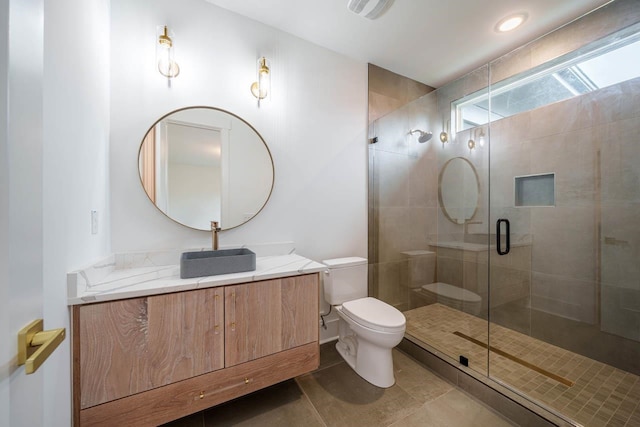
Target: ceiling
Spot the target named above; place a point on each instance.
(431, 41)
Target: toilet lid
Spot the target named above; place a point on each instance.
(445, 290)
(375, 314)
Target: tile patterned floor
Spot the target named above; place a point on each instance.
(601, 395)
(334, 395)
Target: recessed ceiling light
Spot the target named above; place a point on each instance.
(511, 22)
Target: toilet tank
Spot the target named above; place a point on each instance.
(345, 279)
(420, 268)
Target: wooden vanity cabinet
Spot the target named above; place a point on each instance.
(133, 345)
(267, 317)
(150, 360)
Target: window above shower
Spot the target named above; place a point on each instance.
(577, 73)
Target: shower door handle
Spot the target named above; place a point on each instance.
(508, 237)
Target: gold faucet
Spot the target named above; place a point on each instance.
(215, 227)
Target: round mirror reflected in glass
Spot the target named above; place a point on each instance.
(203, 164)
(459, 190)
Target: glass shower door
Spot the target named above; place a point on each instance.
(449, 304)
(428, 202)
(564, 272)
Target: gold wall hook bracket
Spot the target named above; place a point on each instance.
(35, 345)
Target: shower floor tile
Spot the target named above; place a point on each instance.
(590, 392)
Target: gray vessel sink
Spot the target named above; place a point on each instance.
(213, 263)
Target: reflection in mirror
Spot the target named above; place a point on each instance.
(203, 164)
(459, 190)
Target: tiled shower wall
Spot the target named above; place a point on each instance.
(403, 195)
(388, 93)
(585, 141)
(583, 248)
(590, 142)
(403, 188)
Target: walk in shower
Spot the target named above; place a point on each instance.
(511, 239)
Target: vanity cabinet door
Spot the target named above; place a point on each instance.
(263, 318)
(129, 346)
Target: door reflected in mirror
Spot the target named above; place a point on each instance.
(203, 164)
(459, 190)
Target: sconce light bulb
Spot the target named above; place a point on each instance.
(259, 92)
(255, 90)
(168, 68)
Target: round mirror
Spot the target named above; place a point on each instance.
(458, 190)
(203, 164)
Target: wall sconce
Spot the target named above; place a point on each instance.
(444, 135)
(167, 66)
(262, 86)
(480, 138)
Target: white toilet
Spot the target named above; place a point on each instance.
(368, 328)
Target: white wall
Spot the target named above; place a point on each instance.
(5, 330)
(22, 208)
(75, 168)
(53, 163)
(315, 125)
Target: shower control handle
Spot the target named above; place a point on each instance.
(507, 239)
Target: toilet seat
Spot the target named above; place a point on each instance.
(375, 314)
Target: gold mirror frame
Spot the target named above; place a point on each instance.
(440, 201)
(273, 172)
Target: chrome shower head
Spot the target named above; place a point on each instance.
(424, 136)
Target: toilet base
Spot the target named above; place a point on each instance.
(346, 355)
(380, 373)
(370, 361)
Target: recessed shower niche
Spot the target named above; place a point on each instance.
(535, 190)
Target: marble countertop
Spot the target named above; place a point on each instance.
(123, 276)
